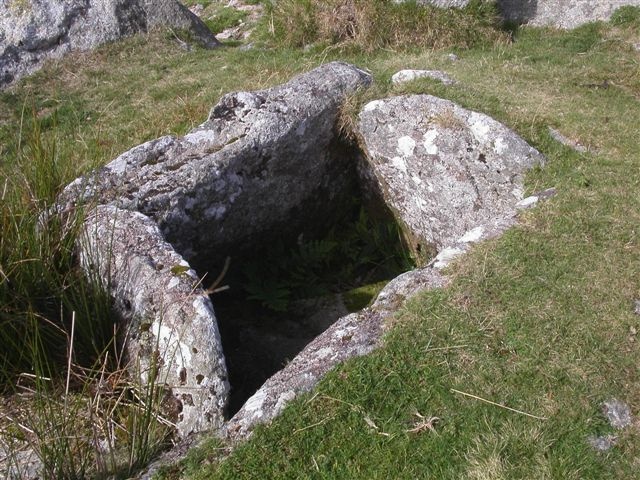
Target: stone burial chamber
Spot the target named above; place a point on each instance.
(164, 218)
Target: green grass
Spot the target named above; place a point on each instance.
(225, 17)
(540, 320)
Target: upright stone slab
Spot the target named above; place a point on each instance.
(444, 170)
(265, 164)
(167, 325)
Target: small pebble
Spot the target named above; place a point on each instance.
(618, 413)
(602, 444)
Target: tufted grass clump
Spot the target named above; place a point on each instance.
(369, 25)
(627, 16)
(40, 288)
(66, 394)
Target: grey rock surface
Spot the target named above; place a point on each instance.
(554, 13)
(263, 164)
(170, 332)
(408, 75)
(560, 13)
(442, 169)
(440, 3)
(19, 462)
(32, 31)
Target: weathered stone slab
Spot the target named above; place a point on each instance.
(351, 336)
(168, 326)
(567, 142)
(442, 169)
(32, 31)
(264, 164)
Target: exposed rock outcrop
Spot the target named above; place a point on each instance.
(442, 169)
(560, 13)
(553, 13)
(32, 31)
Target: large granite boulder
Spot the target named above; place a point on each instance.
(442, 169)
(266, 163)
(32, 31)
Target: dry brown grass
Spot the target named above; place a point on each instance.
(375, 24)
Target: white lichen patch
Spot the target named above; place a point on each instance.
(406, 146)
(527, 202)
(499, 146)
(445, 256)
(472, 235)
(428, 140)
(200, 136)
(369, 107)
(399, 163)
(179, 353)
(283, 400)
(203, 308)
(253, 406)
(479, 127)
(324, 353)
(119, 165)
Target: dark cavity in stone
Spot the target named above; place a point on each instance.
(291, 282)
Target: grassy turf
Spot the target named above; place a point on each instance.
(540, 320)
